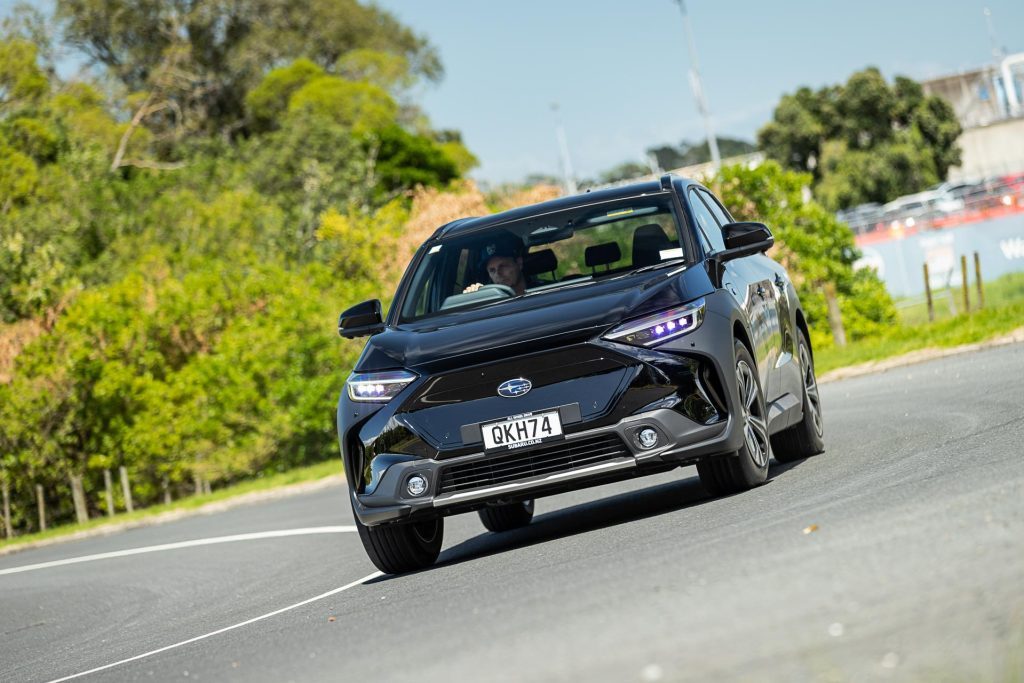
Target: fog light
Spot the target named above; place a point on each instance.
(416, 485)
(648, 437)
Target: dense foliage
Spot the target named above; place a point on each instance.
(816, 248)
(865, 140)
(178, 234)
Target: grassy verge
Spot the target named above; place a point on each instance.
(955, 331)
(295, 476)
(1004, 291)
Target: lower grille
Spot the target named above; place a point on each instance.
(557, 457)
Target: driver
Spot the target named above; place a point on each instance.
(502, 258)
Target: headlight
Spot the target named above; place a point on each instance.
(379, 387)
(654, 329)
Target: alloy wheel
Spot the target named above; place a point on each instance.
(755, 428)
(811, 388)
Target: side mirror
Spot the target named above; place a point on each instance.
(744, 239)
(361, 320)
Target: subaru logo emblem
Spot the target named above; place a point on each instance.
(514, 387)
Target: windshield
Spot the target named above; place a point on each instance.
(542, 253)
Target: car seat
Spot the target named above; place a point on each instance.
(543, 261)
(648, 243)
(602, 255)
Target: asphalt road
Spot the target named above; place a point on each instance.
(896, 555)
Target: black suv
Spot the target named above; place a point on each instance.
(575, 342)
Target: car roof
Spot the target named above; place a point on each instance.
(464, 225)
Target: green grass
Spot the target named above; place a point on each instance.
(947, 303)
(990, 322)
(1003, 313)
(295, 476)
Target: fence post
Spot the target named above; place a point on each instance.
(928, 294)
(8, 531)
(127, 489)
(835, 316)
(964, 284)
(41, 504)
(977, 280)
(166, 485)
(78, 496)
(108, 486)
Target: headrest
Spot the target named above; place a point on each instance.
(543, 261)
(602, 254)
(648, 242)
(652, 232)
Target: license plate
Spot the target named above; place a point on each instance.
(520, 431)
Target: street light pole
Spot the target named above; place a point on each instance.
(563, 147)
(997, 51)
(698, 88)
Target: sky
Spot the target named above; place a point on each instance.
(617, 69)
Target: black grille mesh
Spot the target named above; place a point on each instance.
(556, 457)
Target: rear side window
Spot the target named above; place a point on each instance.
(707, 222)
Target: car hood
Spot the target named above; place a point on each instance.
(531, 323)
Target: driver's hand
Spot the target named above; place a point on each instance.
(472, 288)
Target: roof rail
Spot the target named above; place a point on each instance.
(666, 181)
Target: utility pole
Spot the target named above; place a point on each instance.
(698, 88)
(563, 147)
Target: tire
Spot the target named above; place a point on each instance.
(498, 518)
(402, 547)
(805, 438)
(748, 467)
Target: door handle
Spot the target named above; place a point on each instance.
(760, 291)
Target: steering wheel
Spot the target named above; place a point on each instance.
(504, 289)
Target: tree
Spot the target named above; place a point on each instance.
(222, 49)
(627, 170)
(177, 235)
(864, 140)
(405, 160)
(816, 248)
(692, 153)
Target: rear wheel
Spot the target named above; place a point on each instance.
(402, 547)
(805, 438)
(506, 517)
(748, 467)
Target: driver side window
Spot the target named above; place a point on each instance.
(707, 223)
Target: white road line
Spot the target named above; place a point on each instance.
(182, 544)
(329, 593)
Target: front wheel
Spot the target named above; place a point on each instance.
(805, 438)
(500, 518)
(748, 467)
(402, 547)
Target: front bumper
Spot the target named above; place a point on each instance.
(681, 441)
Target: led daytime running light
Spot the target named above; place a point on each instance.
(660, 327)
(379, 387)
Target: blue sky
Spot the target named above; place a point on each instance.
(618, 69)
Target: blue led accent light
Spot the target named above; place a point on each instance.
(658, 328)
(379, 387)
